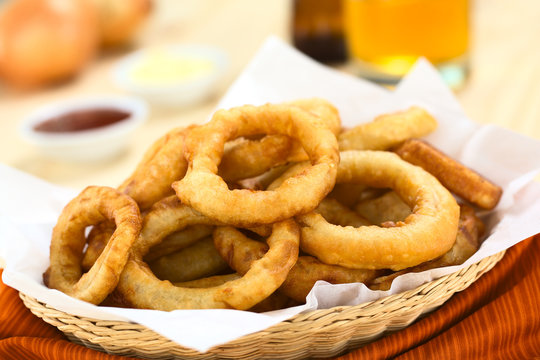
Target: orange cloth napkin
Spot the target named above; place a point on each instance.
(498, 317)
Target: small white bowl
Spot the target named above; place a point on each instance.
(85, 145)
(173, 92)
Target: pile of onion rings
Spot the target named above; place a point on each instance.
(251, 209)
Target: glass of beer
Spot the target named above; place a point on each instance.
(386, 37)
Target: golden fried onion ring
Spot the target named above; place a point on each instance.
(427, 233)
(348, 194)
(274, 301)
(141, 289)
(250, 158)
(331, 209)
(387, 207)
(93, 205)
(178, 240)
(161, 165)
(209, 281)
(470, 230)
(209, 194)
(196, 261)
(388, 130)
(239, 252)
(164, 162)
(96, 241)
(338, 214)
(456, 177)
(101, 233)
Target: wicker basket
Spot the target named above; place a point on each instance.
(315, 334)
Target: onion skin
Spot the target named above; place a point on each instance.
(46, 41)
(120, 19)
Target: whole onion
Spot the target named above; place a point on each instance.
(120, 19)
(45, 41)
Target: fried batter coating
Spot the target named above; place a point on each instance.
(250, 158)
(467, 243)
(388, 130)
(141, 289)
(240, 251)
(455, 176)
(387, 207)
(92, 206)
(427, 233)
(198, 260)
(209, 194)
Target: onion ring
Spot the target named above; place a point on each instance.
(274, 301)
(178, 240)
(387, 207)
(162, 164)
(141, 289)
(93, 205)
(209, 281)
(194, 262)
(427, 233)
(262, 181)
(455, 176)
(208, 193)
(250, 158)
(96, 241)
(239, 252)
(348, 194)
(336, 213)
(467, 242)
(331, 209)
(388, 130)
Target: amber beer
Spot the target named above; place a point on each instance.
(385, 37)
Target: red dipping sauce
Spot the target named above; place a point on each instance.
(81, 120)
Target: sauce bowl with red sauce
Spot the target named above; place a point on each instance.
(84, 129)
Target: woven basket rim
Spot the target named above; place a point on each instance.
(393, 312)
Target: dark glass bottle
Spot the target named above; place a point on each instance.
(317, 29)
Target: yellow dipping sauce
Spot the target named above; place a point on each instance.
(159, 67)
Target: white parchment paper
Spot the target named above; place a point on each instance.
(29, 207)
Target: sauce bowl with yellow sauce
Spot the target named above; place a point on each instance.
(172, 76)
(86, 128)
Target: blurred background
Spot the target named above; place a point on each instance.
(52, 51)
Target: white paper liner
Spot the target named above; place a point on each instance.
(29, 207)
